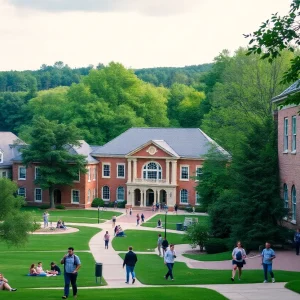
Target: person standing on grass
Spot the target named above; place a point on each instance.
(238, 257)
(159, 244)
(297, 241)
(106, 240)
(169, 257)
(137, 220)
(175, 208)
(268, 254)
(71, 264)
(4, 284)
(130, 261)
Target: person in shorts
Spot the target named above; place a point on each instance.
(4, 284)
(238, 260)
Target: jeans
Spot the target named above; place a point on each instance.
(170, 270)
(129, 269)
(268, 268)
(106, 244)
(159, 249)
(70, 277)
(297, 244)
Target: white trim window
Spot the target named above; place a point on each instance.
(286, 134)
(75, 196)
(294, 203)
(198, 172)
(294, 133)
(120, 170)
(77, 179)
(152, 170)
(120, 193)
(4, 174)
(89, 196)
(105, 193)
(94, 173)
(38, 195)
(197, 198)
(22, 173)
(1, 157)
(37, 173)
(94, 194)
(184, 172)
(105, 170)
(22, 191)
(285, 196)
(89, 174)
(184, 196)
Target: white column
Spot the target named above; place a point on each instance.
(174, 172)
(129, 171)
(168, 171)
(155, 196)
(134, 169)
(129, 197)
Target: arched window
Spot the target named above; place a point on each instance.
(285, 196)
(152, 170)
(89, 196)
(184, 196)
(105, 193)
(294, 203)
(120, 193)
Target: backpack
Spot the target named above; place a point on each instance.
(239, 256)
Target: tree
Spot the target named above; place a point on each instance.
(277, 34)
(49, 147)
(15, 225)
(197, 235)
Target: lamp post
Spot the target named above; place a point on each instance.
(98, 214)
(166, 223)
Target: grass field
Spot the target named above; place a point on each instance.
(74, 216)
(294, 286)
(142, 240)
(172, 220)
(210, 257)
(150, 269)
(173, 293)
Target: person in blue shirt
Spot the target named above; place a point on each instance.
(71, 264)
(297, 241)
(267, 255)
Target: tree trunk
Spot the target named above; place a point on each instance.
(51, 196)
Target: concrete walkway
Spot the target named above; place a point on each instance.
(115, 275)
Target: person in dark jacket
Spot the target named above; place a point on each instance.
(130, 261)
(297, 240)
(165, 245)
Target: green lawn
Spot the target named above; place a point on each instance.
(173, 293)
(150, 269)
(47, 242)
(172, 220)
(210, 257)
(294, 286)
(142, 240)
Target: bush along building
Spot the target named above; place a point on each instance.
(288, 153)
(143, 166)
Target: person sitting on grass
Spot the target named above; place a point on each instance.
(4, 284)
(39, 269)
(55, 270)
(32, 270)
(120, 232)
(159, 223)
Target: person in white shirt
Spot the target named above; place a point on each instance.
(169, 257)
(238, 260)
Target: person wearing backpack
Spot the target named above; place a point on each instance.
(238, 260)
(71, 264)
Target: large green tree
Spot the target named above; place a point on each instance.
(15, 225)
(49, 147)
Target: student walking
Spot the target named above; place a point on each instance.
(169, 257)
(268, 254)
(142, 218)
(45, 219)
(106, 240)
(165, 245)
(297, 241)
(130, 211)
(238, 259)
(137, 220)
(130, 261)
(71, 264)
(114, 219)
(159, 244)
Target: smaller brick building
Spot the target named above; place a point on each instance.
(289, 154)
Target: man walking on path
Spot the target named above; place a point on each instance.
(169, 261)
(297, 241)
(159, 244)
(268, 255)
(130, 261)
(106, 239)
(71, 264)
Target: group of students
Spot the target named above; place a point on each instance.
(38, 270)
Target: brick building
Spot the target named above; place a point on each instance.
(288, 154)
(143, 166)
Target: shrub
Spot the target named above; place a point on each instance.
(44, 206)
(36, 225)
(197, 235)
(60, 206)
(98, 202)
(215, 245)
(122, 204)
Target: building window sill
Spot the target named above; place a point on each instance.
(285, 152)
(294, 152)
(105, 176)
(293, 222)
(184, 179)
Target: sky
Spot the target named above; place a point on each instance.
(137, 33)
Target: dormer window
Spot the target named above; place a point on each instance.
(1, 157)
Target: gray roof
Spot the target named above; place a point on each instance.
(185, 142)
(295, 87)
(10, 151)
(85, 149)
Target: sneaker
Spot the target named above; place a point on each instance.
(13, 290)
(126, 282)
(172, 279)
(273, 280)
(232, 279)
(239, 278)
(265, 281)
(64, 297)
(133, 280)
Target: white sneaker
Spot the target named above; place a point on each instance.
(273, 280)
(265, 281)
